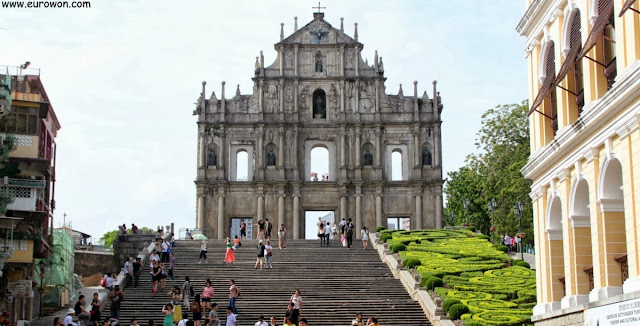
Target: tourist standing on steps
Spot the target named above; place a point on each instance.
(82, 313)
(364, 234)
(176, 297)
(196, 309)
(268, 228)
(231, 317)
(268, 254)
(234, 293)
(292, 315)
(116, 299)
(343, 226)
(155, 275)
(260, 254)
(282, 232)
(214, 320)
(358, 321)
(163, 276)
(172, 265)
(243, 230)
(334, 231)
(167, 310)
(203, 251)
(128, 273)
(229, 257)
(327, 232)
(207, 294)
(296, 299)
(236, 242)
(320, 226)
(349, 234)
(166, 250)
(187, 292)
(137, 265)
(260, 225)
(95, 309)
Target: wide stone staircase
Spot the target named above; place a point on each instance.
(335, 284)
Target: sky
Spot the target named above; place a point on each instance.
(123, 77)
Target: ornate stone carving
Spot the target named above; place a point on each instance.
(213, 157)
(288, 97)
(426, 157)
(348, 61)
(271, 158)
(288, 60)
(304, 93)
(366, 94)
(368, 157)
(305, 63)
(319, 35)
(272, 98)
(333, 97)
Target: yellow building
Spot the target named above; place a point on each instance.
(584, 89)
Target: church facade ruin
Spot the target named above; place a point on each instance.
(257, 155)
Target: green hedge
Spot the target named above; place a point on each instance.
(411, 262)
(448, 303)
(457, 310)
(384, 237)
(397, 247)
(521, 263)
(380, 228)
(431, 283)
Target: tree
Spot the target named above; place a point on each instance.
(109, 237)
(494, 172)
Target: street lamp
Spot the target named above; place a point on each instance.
(41, 289)
(518, 209)
(492, 207)
(452, 215)
(466, 203)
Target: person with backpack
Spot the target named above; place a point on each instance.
(187, 292)
(260, 255)
(349, 233)
(136, 271)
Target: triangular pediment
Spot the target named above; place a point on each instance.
(318, 31)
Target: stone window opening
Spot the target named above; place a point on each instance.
(319, 104)
(319, 164)
(242, 166)
(396, 165)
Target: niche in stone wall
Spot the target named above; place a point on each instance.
(271, 153)
(213, 155)
(368, 154)
(319, 104)
(426, 156)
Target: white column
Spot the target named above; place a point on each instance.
(378, 211)
(418, 224)
(203, 151)
(357, 61)
(379, 151)
(280, 210)
(281, 57)
(295, 63)
(343, 207)
(356, 150)
(436, 146)
(416, 148)
(343, 151)
(281, 149)
(221, 217)
(296, 216)
(260, 207)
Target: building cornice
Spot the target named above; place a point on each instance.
(587, 130)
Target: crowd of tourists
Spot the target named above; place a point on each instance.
(512, 243)
(326, 231)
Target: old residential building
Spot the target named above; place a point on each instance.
(319, 112)
(584, 88)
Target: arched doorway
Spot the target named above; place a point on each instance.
(555, 251)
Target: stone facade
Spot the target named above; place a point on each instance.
(87, 263)
(129, 246)
(318, 93)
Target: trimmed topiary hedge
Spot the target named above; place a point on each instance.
(397, 247)
(500, 247)
(431, 283)
(380, 228)
(384, 237)
(411, 262)
(448, 303)
(521, 263)
(457, 310)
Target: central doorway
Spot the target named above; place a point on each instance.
(235, 227)
(398, 223)
(311, 222)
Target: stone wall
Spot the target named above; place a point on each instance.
(129, 246)
(575, 319)
(88, 263)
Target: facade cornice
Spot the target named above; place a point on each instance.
(533, 23)
(588, 130)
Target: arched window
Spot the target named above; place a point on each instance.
(319, 104)
(396, 165)
(320, 164)
(242, 166)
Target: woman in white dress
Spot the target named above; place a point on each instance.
(364, 234)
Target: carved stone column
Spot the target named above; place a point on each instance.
(281, 59)
(281, 94)
(356, 94)
(260, 149)
(221, 216)
(359, 211)
(261, 96)
(295, 95)
(343, 151)
(280, 210)
(357, 61)
(222, 155)
(379, 150)
(416, 148)
(343, 206)
(438, 216)
(296, 216)
(342, 60)
(201, 209)
(342, 96)
(260, 207)
(418, 224)
(436, 146)
(357, 150)
(295, 63)
(377, 103)
(280, 157)
(378, 210)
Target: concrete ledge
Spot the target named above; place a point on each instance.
(430, 308)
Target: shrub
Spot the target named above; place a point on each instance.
(430, 283)
(411, 262)
(398, 247)
(380, 228)
(484, 237)
(472, 228)
(448, 303)
(500, 247)
(521, 263)
(386, 236)
(457, 310)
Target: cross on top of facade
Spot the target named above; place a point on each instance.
(318, 7)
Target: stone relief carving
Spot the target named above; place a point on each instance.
(348, 60)
(272, 98)
(288, 60)
(349, 92)
(426, 157)
(366, 94)
(305, 63)
(213, 158)
(319, 35)
(271, 158)
(253, 100)
(333, 97)
(304, 92)
(288, 98)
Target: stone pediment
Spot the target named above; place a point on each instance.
(318, 31)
